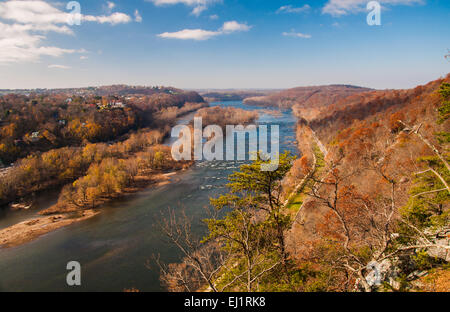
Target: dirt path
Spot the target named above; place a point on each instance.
(297, 231)
(322, 147)
(324, 151)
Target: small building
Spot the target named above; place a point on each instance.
(35, 136)
(117, 105)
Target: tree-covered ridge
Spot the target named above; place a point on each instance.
(223, 116)
(43, 121)
(374, 217)
(54, 138)
(307, 98)
(385, 198)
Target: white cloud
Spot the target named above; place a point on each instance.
(111, 5)
(55, 66)
(200, 34)
(83, 57)
(38, 12)
(344, 7)
(197, 11)
(137, 17)
(296, 35)
(20, 43)
(198, 5)
(35, 12)
(24, 26)
(229, 27)
(190, 34)
(113, 19)
(214, 17)
(291, 9)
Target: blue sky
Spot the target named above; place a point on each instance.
(223, 44)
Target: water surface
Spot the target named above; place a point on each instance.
(114, 247)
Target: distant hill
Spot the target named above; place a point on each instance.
(306, 97)
(40, 120)
(419, 103)
(232, 95)
(117, 90)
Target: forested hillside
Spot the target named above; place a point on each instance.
(366, 207)
(306, 97)
(53, 138)
(382, 197)
(40, 122)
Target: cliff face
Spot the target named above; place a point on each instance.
(306, 97)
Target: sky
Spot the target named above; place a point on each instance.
(221, 44)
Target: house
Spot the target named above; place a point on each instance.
(35, 136)
(116, 105)
(111, 104)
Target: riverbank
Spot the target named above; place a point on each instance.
(140, 182)
(58, 216)
(27, 231)
(114, 246)
(55, 218)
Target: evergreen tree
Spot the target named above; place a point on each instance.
(254, 226)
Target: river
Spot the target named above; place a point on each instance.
(114, 247)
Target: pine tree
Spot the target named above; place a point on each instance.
(254, 226)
